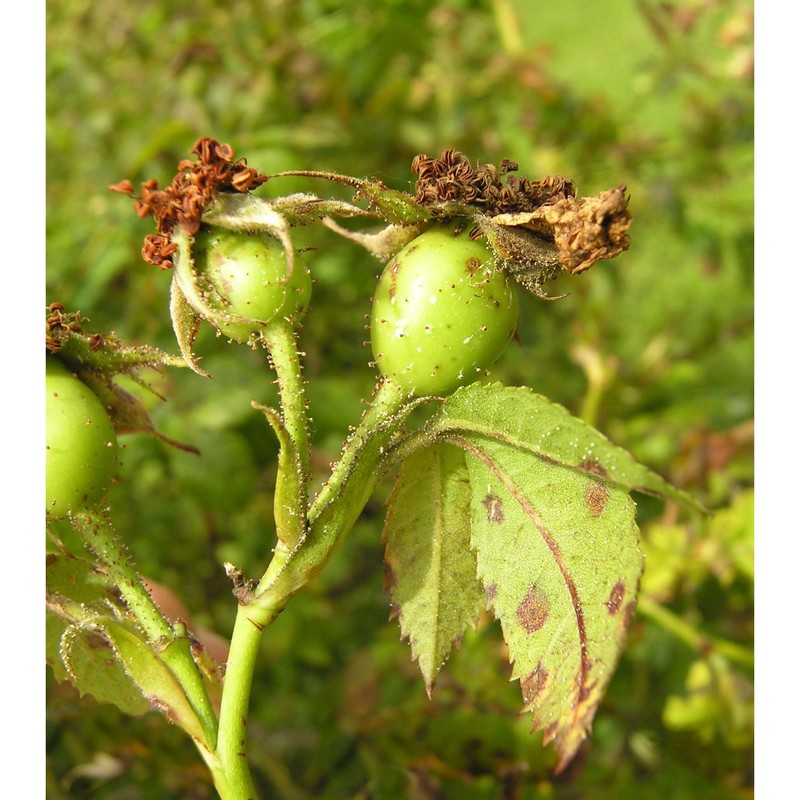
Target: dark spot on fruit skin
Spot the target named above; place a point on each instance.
(494, 508)
(534, 610)
(615, 598)
(534, 685)
(596, 498)
(473, 265)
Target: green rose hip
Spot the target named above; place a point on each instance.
(442, 313)
(81, 445)
(246, 275)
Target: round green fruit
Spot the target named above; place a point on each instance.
(442, 313)
(81, 454)
(245, 275)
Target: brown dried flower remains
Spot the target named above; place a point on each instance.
(182, 203)
(537, 228)
(452, 178)
(59, 323)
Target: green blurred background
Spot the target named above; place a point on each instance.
(655, 349)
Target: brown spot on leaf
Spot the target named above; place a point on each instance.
(616, 597)
(494, 508)
(489, 593)
(593, 466)
(630, 611)
(534, 610)
(96, 640)
(534, 685)
(596, 498)
(389, 577)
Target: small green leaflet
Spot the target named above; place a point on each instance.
(93, 642)
(555, 542)
(430, 567)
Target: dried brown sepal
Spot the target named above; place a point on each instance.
(97, 358)
(536, 228)
(182, 203)
(591, 229)
(60, 324)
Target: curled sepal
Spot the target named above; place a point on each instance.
(431, 569)
(97, 352)
(128, 412)
(247, 214)
(257, 214)
(185, 323)
(384, 244)
(190, 303)
(152, 678)
(290, 519)
(240, 282)
(192, 293)
(390, 205)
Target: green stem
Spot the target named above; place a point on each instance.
(291, 428)
(279, 337)
(251, 622)
(695, 639)
(331, 516)
(342, 498)
(384, 414)
(174, 650)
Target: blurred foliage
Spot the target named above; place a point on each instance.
(655, 349)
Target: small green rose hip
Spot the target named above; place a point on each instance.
(81, 445)
(246, 276)
(442, 313)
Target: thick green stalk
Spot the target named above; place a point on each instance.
(332, 515)
(174, 650)
(251, 622)
(291, 499)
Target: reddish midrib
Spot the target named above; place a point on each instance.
(530, 511)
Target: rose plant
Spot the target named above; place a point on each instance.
(501, 498)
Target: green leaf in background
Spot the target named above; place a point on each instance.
(429, 564)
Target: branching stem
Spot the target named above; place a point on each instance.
(348, 490)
